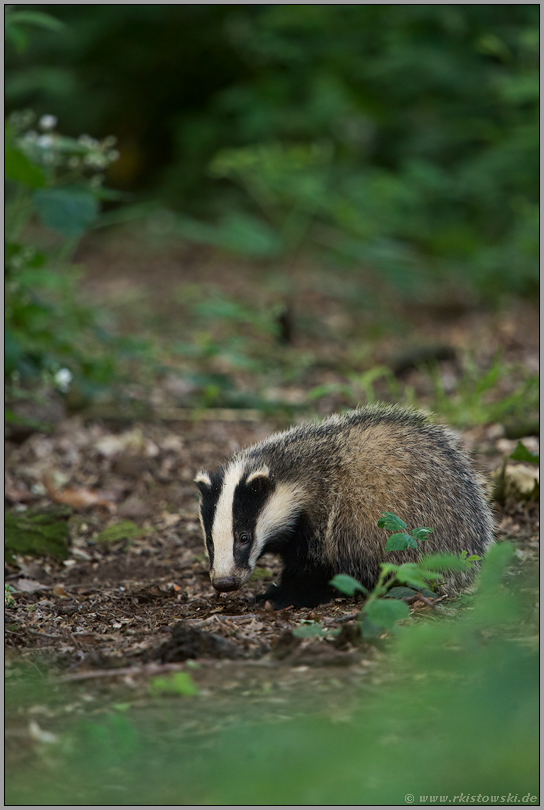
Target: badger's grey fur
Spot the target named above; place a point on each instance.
(313, 495)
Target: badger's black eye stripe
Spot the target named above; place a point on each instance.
(248, 502)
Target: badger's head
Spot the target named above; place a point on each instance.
(243, 512)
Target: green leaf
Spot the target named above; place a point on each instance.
(444, 562)
(385, 614)
(391, 522)
(400, 542)
(400, 592)
(346, 584)
(16, 35)
(19, 168)
(122, 707)
(522, 453)
(124, 530)
(179, 683)
(369, 630)
(313, 630)
(71, 210)
(37, 18)
(413, 574)
(238, 233)
(422, 533)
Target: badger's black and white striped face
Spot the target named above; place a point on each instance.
(242, 512)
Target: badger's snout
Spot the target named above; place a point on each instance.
(226, 583)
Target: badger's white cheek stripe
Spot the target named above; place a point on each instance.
(279, 512)
(222, 534)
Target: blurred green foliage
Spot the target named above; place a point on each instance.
(57, 181)
(454, 715)
(401, 138)
(37, 532)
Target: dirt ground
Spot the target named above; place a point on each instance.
(123, 609)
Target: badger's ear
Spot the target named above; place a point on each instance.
(203, 482)
(260, 480)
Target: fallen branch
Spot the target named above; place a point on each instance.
(149, 669)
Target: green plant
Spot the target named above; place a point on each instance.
(178, 683)
(378, 615)
(37, 532)
(522, 453)
(16, 22)
(59, 181)
(9, 601)
(479, 396)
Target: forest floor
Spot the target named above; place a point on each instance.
(131, 602)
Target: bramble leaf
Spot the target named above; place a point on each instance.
(400, 542)
(346, 584)
(391, 522)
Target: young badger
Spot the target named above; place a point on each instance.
(313, 495)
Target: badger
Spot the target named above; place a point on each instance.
(313, 495)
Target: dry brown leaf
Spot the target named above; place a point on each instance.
(169, 519)
(133, 442)
(29, 586)
(78, 497)
(38, 734)
(16, 492)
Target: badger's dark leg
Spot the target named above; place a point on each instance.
(309, 592)
(304, 583)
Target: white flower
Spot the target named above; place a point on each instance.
(45, 141)
(47, 122)
(86, 140)
(63, 378)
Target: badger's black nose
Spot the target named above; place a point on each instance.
(226, 584)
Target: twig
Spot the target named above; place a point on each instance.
(418, 597)
(32, 632)
(150, 669)
(343, 619)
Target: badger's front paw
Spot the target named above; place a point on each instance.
(286, 596)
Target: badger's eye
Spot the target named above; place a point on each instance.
(244, 537)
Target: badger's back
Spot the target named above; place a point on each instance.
(374, 459)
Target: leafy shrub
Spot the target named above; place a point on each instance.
(49, 333)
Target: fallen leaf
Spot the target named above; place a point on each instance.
(133, 441)
(170, 519)
(78, 497)
(29, 586)
(40, 735)
(16, 492)
(516, 480)
(60, 590)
